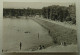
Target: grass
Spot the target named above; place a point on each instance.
(59, 33)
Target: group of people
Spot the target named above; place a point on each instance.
(40, 46)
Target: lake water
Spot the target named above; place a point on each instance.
(26, 31)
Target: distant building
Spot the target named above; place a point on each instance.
(37, 15)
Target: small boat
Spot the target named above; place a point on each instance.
(27, 32)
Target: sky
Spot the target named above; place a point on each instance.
(36, 5)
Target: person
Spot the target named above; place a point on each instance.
(49, 31)
(40, 47)
(64, 43)
(43, 47)
(2, 50)
(20, 45)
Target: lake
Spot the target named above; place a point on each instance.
(27, 31)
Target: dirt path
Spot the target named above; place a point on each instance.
(60, 23)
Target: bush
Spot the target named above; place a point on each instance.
(74, 21)
(68, 18)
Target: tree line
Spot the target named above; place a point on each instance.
(54, 12)
(20, 12)
(60, 13)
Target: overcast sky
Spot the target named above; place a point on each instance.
(35, 5)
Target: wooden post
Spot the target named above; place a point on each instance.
(38, 35)
(20, 45)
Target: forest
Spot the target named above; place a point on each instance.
(54, 12)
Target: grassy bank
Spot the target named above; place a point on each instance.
(59, 33)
